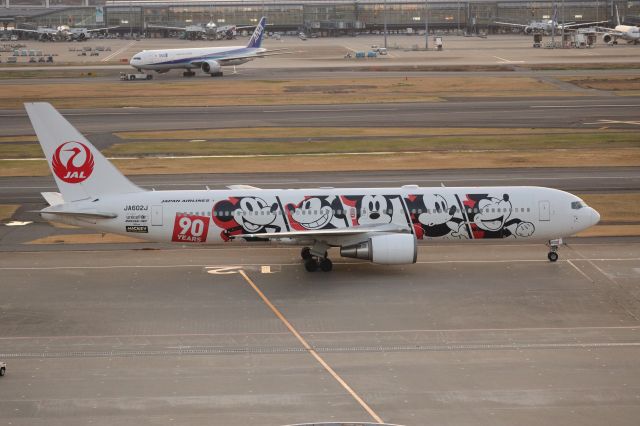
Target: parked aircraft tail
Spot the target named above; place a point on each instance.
(79, 169)
(617, 15)
(256, 39)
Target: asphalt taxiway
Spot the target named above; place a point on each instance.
(471, 335)
(582, 112)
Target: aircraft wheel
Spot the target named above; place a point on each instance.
(311, 265)
(553, 256)
(2, 371)
(326, 265)
(305, 253)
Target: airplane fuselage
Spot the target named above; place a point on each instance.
(219, 216)
(191, 58)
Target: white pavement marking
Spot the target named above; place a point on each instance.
(601, 122)
(258, 265)
(311, 351)
(508, 61)
(119, 51)
(580, 271)
(276, 333)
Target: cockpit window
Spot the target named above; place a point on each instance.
(577, 205)
(137, 58)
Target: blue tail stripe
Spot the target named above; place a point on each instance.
(256, 38)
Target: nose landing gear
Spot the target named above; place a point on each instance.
(553, 249)
(312, 262)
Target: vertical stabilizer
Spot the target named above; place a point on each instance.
(79, 169)
(256, 38)
(617, 15)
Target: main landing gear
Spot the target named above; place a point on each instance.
(188, 74)
(313, 262)
(553, 249)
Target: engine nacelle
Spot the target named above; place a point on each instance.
(528, 30)
(607, 38)
(390, 249)
(211, 67)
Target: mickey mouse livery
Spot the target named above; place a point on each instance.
(381, 225)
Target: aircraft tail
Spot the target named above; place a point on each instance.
(617, 15)
(256, 38)
(79, 169)
(554, 19)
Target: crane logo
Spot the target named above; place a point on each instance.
(72, 162)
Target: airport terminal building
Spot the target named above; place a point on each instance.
(324, 17)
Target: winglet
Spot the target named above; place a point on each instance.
(256, 39)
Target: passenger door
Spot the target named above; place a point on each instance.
(545, 211)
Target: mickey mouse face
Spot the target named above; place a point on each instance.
(374, 209)
(438, 210)
(313, 213)
(492, 213)
(255, 213)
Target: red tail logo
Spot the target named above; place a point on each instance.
(72, 162)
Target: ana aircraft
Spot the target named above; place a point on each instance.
(629, 33)
(209, 59)
(381, 225)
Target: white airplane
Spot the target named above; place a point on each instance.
(381, 225)
(548, 26)
(208, 30)
(63, 33)
(209, 59)
(629, 33)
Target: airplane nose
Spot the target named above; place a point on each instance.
(595, 217)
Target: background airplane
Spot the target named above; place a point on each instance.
(209, 30)
(380, 225)
(209, 59)
(547, 26)
(629, 33)
(63, 33)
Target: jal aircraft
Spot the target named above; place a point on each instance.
(381, 225)
(209, 59)
(548, 26)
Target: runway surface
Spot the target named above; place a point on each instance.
(471, 335)
(582, 112)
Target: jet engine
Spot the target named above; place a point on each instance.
(212, 67)
(389, 249)
(528, 30)
(607, 38)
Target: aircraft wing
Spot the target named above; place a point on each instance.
(166, 27)
(511, 24)
(252, 56)
(324, 234)
(241, 186)
(581, 24)
(41, 31)
(102, 29)
(611, 31)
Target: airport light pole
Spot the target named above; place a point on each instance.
(385, 24)
(426, 24)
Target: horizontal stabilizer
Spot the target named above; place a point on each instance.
(53, 198)
(81, 214)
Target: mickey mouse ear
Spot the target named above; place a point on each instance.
(505, 197)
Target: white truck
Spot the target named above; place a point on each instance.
(135, 76)
(3, 368)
